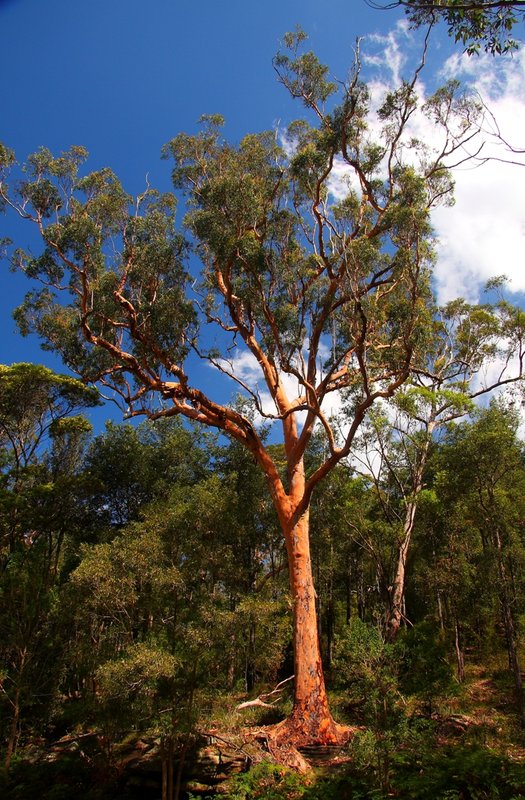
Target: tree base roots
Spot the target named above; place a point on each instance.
(285, 740)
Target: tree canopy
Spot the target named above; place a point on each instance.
(479, 25)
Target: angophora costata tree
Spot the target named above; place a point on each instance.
(330, 297)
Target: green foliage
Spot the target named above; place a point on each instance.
(133, 687)
(310, 76)
(177, 589)
(481, 25)
(43, 441)
(366, 667)
(33, 396)
(451, 773)
(131, 466)
(266, 781)
(425, 671)
(421, 769)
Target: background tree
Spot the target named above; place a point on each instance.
(450, 581)
(132, 465)
(486, 462)
(164, 627)
(38, 431)
(329, 299)
(253, 562)
(41, 492)
(474, 351)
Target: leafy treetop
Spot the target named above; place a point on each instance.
(477, 24)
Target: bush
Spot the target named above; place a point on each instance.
(425, 671)
(366, 667)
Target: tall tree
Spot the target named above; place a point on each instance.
(474, 350)
(39, 424)
(42, 440)
(482, 484)
(328, 299)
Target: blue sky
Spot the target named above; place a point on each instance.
(122, 77)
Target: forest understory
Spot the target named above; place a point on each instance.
(470, 745)
(146, 622)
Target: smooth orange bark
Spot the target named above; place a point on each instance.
(310, 720)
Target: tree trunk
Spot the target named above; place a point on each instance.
(460, 656)
(348, 595)
(180, 769)
(249, 667)
(170, 768)
(330, 613)
(13, 732)
(311, 721)
(164, 762)
(360, 590)
(16, 703)
(397, 593)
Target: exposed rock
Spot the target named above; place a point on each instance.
(208, 763)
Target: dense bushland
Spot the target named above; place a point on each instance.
(144, 592)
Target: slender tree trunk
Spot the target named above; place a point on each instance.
(330, 625)
(170, 768)
(360, 590)
(164, 762)
(441, 615)
(13, 731)
(249, 667)
(512, 645)
(397, 593)
(180, 770)
(460, 655)
(330, 613)
(348, 596)
(14, 728)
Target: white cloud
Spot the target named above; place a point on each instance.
(244, 366)
(390, 56)
(483, 235)
(342, 179)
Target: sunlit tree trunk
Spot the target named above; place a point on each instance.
(311, 718)
(397, 593)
